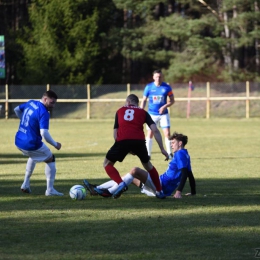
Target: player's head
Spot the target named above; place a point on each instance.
(157, 77)
(178, 141)
(132, 99)
(49, 99)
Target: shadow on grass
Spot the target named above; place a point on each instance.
(210, 192)
(19, 158)
(134, 226)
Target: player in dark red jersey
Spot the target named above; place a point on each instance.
(130, 138)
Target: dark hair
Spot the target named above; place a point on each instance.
(133, 99)
(179, 137)
(157, 71)
(50, 94)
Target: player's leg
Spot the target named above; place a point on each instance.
(149, 141)
(143, 181)
(28, 173)
(116, 153)
(149, 135)
(50, 173)
(165, 125)
(111, 171)
(141, 152)
(140, 175)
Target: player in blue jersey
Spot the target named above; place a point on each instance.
(34, 124)
(157, 92)
(174, 178)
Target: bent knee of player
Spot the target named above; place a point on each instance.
(134, 171)
(50, 159)
(107, 162)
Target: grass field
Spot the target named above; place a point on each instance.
(221, 222)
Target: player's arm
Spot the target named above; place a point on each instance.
(192, 184)
(157, 135)
(116, 125)
(143, 102)
(18, 112)
(158, 138)
(170, 102)
(46, 135)
(184, 176)
(115, 133)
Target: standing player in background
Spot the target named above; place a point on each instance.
(129, 138)
(157, 93)
(33, 126)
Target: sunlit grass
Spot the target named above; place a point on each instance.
(221, 222)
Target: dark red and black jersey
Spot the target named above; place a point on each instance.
(129, 123)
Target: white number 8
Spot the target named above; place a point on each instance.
(129, 115)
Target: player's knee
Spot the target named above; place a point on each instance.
(134, 171)
(51, 159)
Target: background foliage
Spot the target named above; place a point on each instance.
(117, 41)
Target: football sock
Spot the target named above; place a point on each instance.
(128, 178)
(149, 145)
(155, 178)
(113, 188)
(50, 172)
(28, 173)
(113, 173)
(107, 185)
(168, 145)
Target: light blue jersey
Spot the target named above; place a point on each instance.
(172, 177)
(157, 97)
(35, 117)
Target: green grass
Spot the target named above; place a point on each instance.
(221, 222)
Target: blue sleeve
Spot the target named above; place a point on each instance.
(181, 160)
(44, 121)
(146, 91)
(22, 106)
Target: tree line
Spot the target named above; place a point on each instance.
(123, 41)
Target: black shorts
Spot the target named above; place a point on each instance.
(120, 149)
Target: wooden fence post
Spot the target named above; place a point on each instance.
(208, 101)
(247, 100)
(88, 102)
(128, 89)
(6, 101)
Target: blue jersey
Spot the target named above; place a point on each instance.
(157, 97)
(35, 117)
(172, 177)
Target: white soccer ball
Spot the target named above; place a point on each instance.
(78, 192)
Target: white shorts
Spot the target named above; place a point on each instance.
(149, 188)
(40, 155)
(162, 120)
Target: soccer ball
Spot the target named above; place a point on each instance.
(78, 192)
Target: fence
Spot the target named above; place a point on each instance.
(208, 100)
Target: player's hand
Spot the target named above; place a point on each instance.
(189, 194)
(58, 146)
(165, 154)
(161, 110)
(177, 195)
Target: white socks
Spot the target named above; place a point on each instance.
(127, 179)
(168, 145)
(50, 172)
(149, 145)
(28, 173)
(106, 185)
